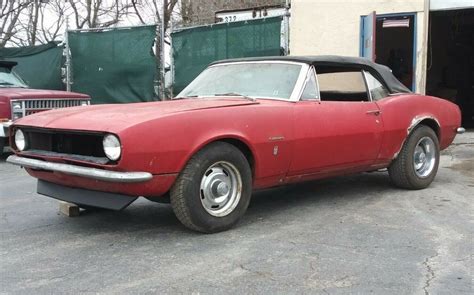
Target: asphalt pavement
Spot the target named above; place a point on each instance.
(347, 235)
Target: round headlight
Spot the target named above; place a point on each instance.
(20, 140)
(112, 148)
(16, 106)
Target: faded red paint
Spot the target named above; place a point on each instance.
(313, 139)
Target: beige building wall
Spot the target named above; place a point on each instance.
(333, 26)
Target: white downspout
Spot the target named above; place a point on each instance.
(424, 56)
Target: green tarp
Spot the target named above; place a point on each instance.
(114, 66)
(39, 66)
(195, 48)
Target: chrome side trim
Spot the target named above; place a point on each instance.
(93, 173)
(460, 130)
(276, 138)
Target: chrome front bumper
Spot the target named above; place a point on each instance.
(93, 173)
(460, 130)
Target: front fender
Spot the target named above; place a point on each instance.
(165, 145)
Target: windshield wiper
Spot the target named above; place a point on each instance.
(184, 97)
(236, 94)
(10, 85)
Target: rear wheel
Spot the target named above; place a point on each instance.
(213, 191)
(417, 163)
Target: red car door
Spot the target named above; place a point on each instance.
(335, 135)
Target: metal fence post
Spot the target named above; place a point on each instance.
(286, 23)
(158, 83)
(160, 57)
(162, 52)
(171, 60)
(68, 57)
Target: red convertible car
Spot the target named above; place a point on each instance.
(241, 125)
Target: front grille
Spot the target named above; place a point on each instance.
(32, 106)
(74, 146)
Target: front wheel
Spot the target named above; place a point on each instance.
(417, 163)
(213, 191)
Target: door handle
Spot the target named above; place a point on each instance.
(374, 112)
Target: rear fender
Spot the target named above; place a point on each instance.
(415, 123)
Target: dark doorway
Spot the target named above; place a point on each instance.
(450, 67)
(395, 46)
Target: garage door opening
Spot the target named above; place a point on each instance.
(390, 40)
(394, 46)
(450, 68)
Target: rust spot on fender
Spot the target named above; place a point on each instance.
(412, 126)
(418, 119)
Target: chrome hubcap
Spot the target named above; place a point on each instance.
(424, 157)
(221, 188)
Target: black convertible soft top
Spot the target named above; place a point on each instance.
(380, 71)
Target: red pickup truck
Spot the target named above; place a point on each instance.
(17, 100)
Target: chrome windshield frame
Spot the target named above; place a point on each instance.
(300, 81)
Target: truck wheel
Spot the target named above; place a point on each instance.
(417, 163)
(213, 191)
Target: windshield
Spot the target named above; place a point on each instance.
(264, 80)
(10, 80)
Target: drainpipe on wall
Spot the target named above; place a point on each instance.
(424, 51)
(68, 57)
(287, 27)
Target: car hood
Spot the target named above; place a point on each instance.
(117, 117)
(20, 93)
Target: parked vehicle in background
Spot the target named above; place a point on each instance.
(240, 125)
(17, 100)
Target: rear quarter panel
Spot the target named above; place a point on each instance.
(402, 113)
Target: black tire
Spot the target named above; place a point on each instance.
(2, 145)
(160, 200)
(185, 195)
(92, 208)
(402, 172)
